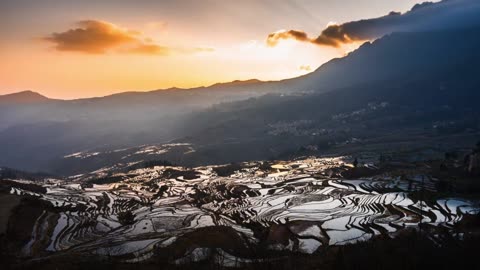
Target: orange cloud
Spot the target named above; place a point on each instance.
(274, 38)
(333, 35)
(150, 49)
(100, 37)
(92, 37)
(305, 68)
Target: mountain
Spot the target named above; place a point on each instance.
(34, 135)
(408, 93)
(24, 97)
(397, 55)
(238, 83)
(20, 108)
(402, 87)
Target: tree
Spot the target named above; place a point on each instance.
(355, 162)
(126, 217)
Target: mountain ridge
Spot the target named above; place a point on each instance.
(226, 125)
(160, 90)
(26, 97)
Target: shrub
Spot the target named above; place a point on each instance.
(126, 217)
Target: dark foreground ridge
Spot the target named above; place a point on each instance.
(409, 251)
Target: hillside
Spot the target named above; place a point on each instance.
(401, 84)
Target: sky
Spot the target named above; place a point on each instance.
(74, 49)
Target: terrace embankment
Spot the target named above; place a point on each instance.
(238, 215)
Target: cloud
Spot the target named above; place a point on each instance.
(305, 68)
(162, 50)
(159, 26)
(206, 49)
(100, 37)
(150, 49)
(422, 17)
(92, 36)
(274, 38)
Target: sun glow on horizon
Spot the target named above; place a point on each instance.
(110, 48)
(76, 74)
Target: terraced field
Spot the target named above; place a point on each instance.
(299, 206)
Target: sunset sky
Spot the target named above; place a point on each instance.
(72, 49)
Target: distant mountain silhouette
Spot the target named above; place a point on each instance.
(238, 83)
(29, 96)
(24, 97)
(424, 80)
